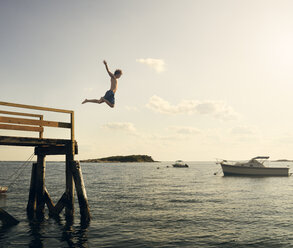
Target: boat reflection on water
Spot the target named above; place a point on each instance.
(253, 167)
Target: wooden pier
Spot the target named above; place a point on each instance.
(38, 194)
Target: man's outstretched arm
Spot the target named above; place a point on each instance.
(110, 73)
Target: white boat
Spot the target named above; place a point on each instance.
(180, 164)
(253, 167)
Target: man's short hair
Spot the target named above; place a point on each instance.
(118, 72)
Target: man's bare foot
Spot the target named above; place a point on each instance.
(85, 101)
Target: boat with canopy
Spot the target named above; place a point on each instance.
(252, 167)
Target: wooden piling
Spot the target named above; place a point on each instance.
(38, 194)
(40, 186)
(61, 204)
(7, 219)
(49, 203)
(69, 208)
(31, 205)
(81, 192)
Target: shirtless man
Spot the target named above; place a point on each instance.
(109, 97)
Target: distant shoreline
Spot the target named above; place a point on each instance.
(121, 159)
(283, 160)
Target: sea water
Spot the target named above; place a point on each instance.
(154, 205)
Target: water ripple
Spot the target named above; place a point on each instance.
(137, 205)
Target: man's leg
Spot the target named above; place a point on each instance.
(93, 100)
(106, 101)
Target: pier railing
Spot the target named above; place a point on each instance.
(33, 122)
(38, 194)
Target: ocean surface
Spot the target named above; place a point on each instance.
(150, 205)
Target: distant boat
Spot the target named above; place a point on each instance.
(3, 189)
(180, 164)
(253, 167)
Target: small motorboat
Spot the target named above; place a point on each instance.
(252, 167)
(3, 189)
(180, 164)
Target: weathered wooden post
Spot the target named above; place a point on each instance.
(40, 186)
(7, 219)
(81, 192)
(50, 203)
(31, 205)
(69, 208)
(38, 194)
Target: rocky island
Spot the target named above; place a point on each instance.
(123, 159)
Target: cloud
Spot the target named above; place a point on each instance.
(125, 126)
(206, 107)
(157, 64)
(218, 110)
(160, 105)
(243, 130)
(185, 130)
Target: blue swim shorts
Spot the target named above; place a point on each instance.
(110, 96)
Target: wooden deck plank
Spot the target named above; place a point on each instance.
(21, 128)
(24, 141)
(14, 120)
(35, 107)
(54, 150)
(18, 113)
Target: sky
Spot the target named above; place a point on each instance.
(202, 79)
